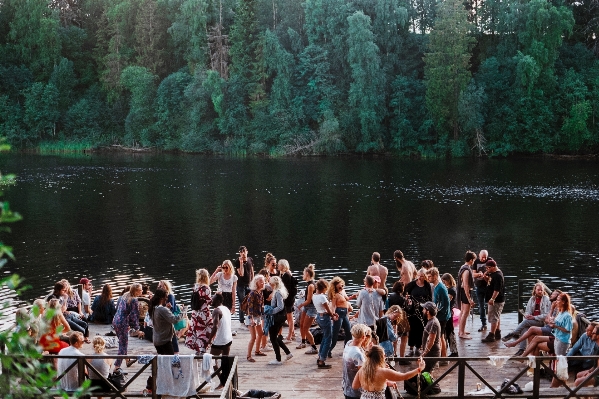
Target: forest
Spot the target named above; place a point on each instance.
(424, 78)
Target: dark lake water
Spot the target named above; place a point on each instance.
(124, 218)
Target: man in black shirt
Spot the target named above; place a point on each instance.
(478, 272)
(244, 267)
(495, 297)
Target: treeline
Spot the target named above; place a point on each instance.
(410, 77)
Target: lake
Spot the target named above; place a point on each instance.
(120, 218)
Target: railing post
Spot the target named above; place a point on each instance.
(536, 384)
(81, 373)
(461, 377)
(154, 373)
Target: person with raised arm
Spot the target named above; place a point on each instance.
(244, 266)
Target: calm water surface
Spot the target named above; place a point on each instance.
(123, 218)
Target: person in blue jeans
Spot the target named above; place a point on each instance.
(341, 306)
(325, 318)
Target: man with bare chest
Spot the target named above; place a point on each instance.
(376, 269)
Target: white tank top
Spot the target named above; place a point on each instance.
(223, 334)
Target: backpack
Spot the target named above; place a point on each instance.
(196, 302)
(426, 382)
(243, 306)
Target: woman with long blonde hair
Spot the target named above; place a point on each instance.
(372, 378)
(198, 334)
(290, 283)
(279, 293)
(341, 306)
(50, 340)
(308, 312)
(227, 283)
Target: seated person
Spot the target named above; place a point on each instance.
(581, 376)
(103, 307)
(70, 381)
(537, 309)
(585, 346)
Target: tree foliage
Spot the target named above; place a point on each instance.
(418, 77)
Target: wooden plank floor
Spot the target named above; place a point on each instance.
(300, 378)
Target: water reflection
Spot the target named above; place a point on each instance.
(121, 218)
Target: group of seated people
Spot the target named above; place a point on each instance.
(550, 326)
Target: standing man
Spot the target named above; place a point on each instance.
(244, 265)
(442, 302)
(376, 269)
(70, 382)
(478, 271)
(495, 298)
(86, 297)
(464, 300)
(370, 304)
(407, 270)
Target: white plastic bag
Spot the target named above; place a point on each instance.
(561, 369)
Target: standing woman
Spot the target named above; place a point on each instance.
(341, 306)
(170, 298)
(420, 291)
(309, 312)
(255, 313)
(464, 299)
(270, 264)
(279, 316)
(198, 334)
(126, 317)
(227, 284)
(163, 320)
(325, 319)
(290, 283)
(449, 282)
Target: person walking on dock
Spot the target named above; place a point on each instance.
(244, 265)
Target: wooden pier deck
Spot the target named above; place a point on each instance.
(300, 378)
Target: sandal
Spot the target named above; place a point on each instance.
(259, 353)
(87, 341)
(251, 359)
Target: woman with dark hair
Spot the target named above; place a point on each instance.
(290, 283)
(103, 307)
(163, 320)
(325, 318)
(372, 377)
(419, 291)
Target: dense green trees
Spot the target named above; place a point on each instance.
(420, 77)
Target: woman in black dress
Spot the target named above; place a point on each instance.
(418, 292)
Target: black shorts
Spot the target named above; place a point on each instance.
(463, 297)
(442, 324)
(222, 346)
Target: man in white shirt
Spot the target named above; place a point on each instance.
(86, 296)
(70, 382)
(370, 304)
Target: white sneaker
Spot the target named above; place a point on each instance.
(311, 351)
(275, 363)
(289, 356)
(266, 349)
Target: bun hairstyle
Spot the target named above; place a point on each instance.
(268, 258)
(310, 270)
(99, 344)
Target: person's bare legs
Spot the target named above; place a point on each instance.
(252, 340)
(465, 312)
(291, 332)
(402, 345)
(538, 343)
(532, 332)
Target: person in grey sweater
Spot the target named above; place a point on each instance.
(163, 320)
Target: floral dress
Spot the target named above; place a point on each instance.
(198, 334)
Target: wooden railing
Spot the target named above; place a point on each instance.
(469, 372)
(82, 362)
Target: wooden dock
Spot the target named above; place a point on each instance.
(300, 378)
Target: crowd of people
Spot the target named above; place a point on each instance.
(412, 320)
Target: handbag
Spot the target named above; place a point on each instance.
(181, 324)
(118, 380)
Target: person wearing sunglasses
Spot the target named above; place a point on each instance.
(227, 283)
